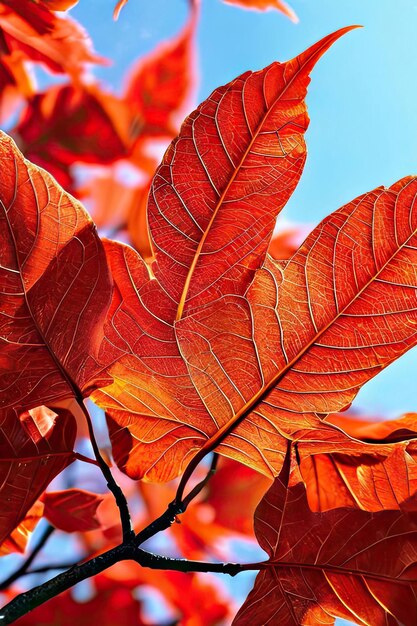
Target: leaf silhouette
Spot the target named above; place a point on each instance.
(263, 5)
(346, 563)
(34, 448)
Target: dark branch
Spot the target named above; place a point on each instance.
(119, 496)
(26, 602)
(22, 570)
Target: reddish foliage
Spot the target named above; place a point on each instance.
(111, 605)
(263, 5)
(199, 340)
(72, 510)
(34, 447)
(312, 576)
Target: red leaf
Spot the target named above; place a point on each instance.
(57, 42)
(54, 292)
(159, 84)
(49, 252)
(68, 124)
(111, 605)
(34, 448)
(370, 481)
(263, 5)
(343, 563)
(19, 537)
(72, 510)
(222, 182)
(254, 358)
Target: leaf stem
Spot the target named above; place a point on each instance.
(22, 570)
(119, 496)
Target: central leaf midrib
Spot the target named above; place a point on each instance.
(260, 396)
(202, 241)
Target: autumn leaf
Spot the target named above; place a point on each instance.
(49, 251)
(199, 603)
(72, 510)
(18, 539)
(55, 289)
(31, 31)
(368, 481)
(232, 485)
(157, 89)
(34, 447)
(346, 563)
(222, 375)
(159, 85)
(264, 5)
(67, 124)
(119, 6)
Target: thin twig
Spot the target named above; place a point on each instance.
(200, 486)
(85, 459)
(174, 509)
(119, 496)
(22, 570)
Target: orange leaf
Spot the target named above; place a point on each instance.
(72, 510)
(159, 84)
(263, 5)
(59, 5)
(264, 366)
(369, 481)
(55, 289)
(19, 537)
(119, 6)
(34, 448)
(346, 563)
(222, 182)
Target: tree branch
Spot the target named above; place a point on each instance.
(26, 602)
(128, 550)
(119, 496)
(22, 570)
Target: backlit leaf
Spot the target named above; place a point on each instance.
(54, 292)
(159, 84)
(68, 124)
(34, 447)
(369, 481)
(19, 537)
(72, 510)
(346, 563)
(265, 367)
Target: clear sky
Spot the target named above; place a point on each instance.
(362, 101)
